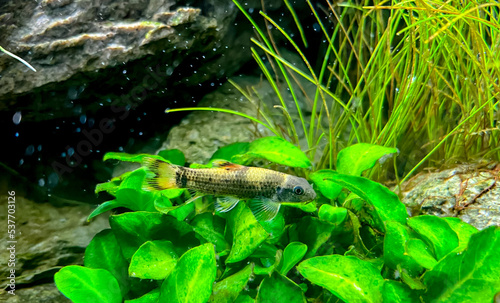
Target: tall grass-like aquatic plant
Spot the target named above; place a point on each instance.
(421, 76)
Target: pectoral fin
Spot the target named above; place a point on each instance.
(264, 209)
(225, 204)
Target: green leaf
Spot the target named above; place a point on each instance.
(131, 195)
(227, 152)
(396, 292)
(211, 229)
(463, 230)
(247, 233)
(385, 203)
(274, 149)
(193, 277)
(174, 156)
(314, 233)
(327, 188)
(275, 227)
(355, 159)
(293, 253)
(278, 288)
(436, 232)
(104, 252)
(104, 207)
(87, 285)
(244, 299)
(349, 278)
(150, 297)
(129, 157)
(421, 253)
(227, 290)
(396, 237)
(135, 228)
(153, 260)
(332, 214)
(469, 276)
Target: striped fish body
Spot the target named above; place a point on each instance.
(242, 182)
(232, 182)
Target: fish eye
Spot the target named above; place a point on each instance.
(298, 190)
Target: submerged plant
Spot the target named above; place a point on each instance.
(360, 247)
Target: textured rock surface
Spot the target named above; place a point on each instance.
(470, 192)
(45, 293)
(86, 42)
(48, 238)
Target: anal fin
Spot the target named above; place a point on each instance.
(264, 209)
(225, 204)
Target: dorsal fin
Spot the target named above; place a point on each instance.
(226, 164)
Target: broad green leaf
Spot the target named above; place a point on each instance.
(128, 194)
(131, 195)
(275, 227)
(211, 229)
(278, 288)
(436, 232)
(174, 156)
(308, 207)
(153, 260)
(385, 203)
(104, 252)
(274, 149)
(129, 157)
(244, 299)
(293, 253)
(327, 188)
(396, 238)
(247, 233)
(421, 253)
(355, 159)
(349, 278)
(135, 228)
(463, 230)
(397, 292)
(227, 290)
(227, 152)
(150, 297)
(332, 214)
(87, 285)
(193, 277)
(314, 233)
(469, 276)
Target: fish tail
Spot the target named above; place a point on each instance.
(162, 174)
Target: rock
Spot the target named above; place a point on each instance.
(470, 192)
(83, 49)
(45, 293)
(201, 133)
(48, 238)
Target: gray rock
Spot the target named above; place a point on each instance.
(470, 192)
(76, 45)
(48, 238)
(45, 293)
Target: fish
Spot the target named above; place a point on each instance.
(263, 189)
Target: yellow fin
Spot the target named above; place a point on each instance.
(226, 164)
(264, 209)
(162, 174)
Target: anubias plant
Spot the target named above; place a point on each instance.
(354, 243)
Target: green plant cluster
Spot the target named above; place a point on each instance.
(354, 243)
